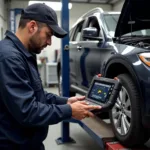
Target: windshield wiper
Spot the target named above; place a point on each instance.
(135, 37)
(131, 38)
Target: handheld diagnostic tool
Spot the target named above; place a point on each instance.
(104, 92)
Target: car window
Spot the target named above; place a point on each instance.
(111, 21)
(93, 22)
(77, 33)
(70, 33)
(144, 32)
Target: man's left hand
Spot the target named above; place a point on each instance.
(75, 99)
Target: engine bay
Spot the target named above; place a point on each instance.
(140, 42)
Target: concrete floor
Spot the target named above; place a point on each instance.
(83, 139)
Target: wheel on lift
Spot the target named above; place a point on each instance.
(126, 115)
(60, 85)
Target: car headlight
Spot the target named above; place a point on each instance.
(145, 58)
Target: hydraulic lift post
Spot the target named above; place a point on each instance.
(65, 132)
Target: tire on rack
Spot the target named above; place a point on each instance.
(60, 85)
(125, 116)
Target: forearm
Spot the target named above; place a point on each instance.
(54, 99)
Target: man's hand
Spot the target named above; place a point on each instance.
(72, 100)
(81, 110)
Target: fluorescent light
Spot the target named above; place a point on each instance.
(55, 5)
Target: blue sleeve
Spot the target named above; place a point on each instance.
(20, 100)
(54, 99)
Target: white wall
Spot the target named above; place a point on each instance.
(18, 4)
(3, 19)
(118, 5)
(76, 11)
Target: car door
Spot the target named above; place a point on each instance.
(75, 47)
(89, 57)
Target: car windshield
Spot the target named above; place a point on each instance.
(111, 21)
(145, 32)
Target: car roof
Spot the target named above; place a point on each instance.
(111, 12)
(92, 11)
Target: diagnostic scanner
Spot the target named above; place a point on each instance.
(103, 92)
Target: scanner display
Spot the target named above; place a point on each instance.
(103, 92)
(99, 92)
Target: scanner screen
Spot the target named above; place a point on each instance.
(99, 92)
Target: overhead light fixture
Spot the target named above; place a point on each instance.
(55, 5)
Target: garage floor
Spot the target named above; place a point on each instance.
(83, 139)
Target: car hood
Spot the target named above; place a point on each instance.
(134, 16)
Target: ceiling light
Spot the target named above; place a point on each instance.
(55, 5)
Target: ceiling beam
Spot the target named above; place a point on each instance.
(116, 1)
(88, 1)
(108, 1)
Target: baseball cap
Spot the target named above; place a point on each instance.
(45, 14)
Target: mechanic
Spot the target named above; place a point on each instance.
(26, 110)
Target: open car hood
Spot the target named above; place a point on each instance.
(135, 16)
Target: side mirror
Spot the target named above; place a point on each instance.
(91, 33)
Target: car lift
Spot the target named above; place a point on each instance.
(95, 127)
(99, 130)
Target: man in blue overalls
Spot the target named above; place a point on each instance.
(26, 110)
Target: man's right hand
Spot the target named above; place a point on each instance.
(81, 110)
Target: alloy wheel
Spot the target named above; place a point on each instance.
(121, 112)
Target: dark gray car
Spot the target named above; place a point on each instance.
(115, 44)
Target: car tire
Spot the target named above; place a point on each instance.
(125, 116)
(60, 85)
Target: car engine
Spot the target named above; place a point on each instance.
(141, 43)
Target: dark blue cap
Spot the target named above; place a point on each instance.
(45, 14)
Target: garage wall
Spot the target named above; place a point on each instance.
(76, 11)
(3, 18)
(118, 5)
(18, 4)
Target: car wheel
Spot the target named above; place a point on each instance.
(125, 116)
(60, 85)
